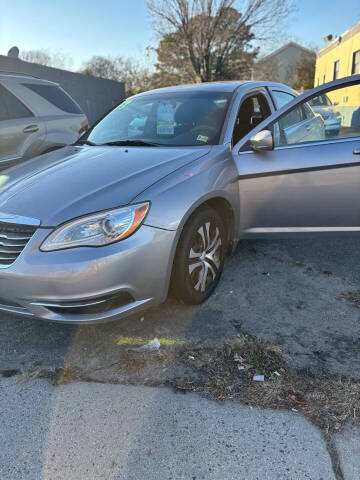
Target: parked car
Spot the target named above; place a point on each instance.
(101, 229)
(36, 116)
(331, 115)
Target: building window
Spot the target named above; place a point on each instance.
(356, 63)
(324, 79)
(336, 70)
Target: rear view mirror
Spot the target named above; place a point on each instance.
(262, 141)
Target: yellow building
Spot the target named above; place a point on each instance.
(338, 59)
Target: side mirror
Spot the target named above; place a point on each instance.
(335, 104)
(262, 141)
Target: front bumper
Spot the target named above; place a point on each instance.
(89, 285)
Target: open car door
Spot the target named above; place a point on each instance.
(300, 172)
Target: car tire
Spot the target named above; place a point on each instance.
(200, 257)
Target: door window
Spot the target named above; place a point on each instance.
(334, 115)
(56, 96)
(12, 108)
(281, 98)
(253, 110)
(3, 109)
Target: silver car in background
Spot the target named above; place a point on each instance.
(36, 116)
(163, 187)
(330, 114)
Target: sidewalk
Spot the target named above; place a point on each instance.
(101, 431)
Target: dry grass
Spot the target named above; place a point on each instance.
(135, 361)
(352, 297)
(328, 403)
(63, 375)
(27, 375)
(57, 375)
(227, 373)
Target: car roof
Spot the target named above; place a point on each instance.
(223, 86)
(20, 77)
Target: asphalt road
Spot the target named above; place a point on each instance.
(286, 291)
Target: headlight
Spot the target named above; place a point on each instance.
(97, 229)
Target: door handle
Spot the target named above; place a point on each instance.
(356, 151)
(31, 129)
(308, 128)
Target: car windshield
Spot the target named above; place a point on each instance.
(320, 101)
(171, 119)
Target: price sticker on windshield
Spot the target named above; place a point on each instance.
(202, 138)
(123, 104)
(165, 119)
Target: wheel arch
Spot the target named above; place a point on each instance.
(217, 202)
(220, 203)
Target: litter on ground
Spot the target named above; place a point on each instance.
(151, 346)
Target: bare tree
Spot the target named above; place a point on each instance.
(213, 30)
(266, 69)
(136, 76)
(224, 54)
(104, 67)
(302, 73)
(48, 58)
(36, 56)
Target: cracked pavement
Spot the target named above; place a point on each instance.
(103, 431)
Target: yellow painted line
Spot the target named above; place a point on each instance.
(143, 341)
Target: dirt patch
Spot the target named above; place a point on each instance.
(229, 372)
(352, 297)
(56, 376)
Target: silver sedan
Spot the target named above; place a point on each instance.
(162, 188)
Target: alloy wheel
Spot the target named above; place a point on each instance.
(205, 255)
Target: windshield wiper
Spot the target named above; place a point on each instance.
(85, 142)
(131, 143)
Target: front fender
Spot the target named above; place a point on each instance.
(59, 138)
(177, 196)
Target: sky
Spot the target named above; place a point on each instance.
(83, 28)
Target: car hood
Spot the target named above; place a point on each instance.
(77, 180)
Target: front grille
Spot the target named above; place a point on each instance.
(13, 239)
